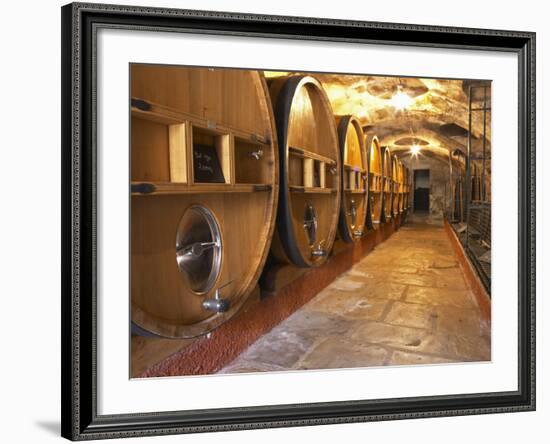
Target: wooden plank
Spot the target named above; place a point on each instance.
(178, 153)
(156, 188)
(308, 173)
(322, 174)
(311, 190)
(156, 117)
(310, 155)
(352, 180)
(169, 116)
(224, 147)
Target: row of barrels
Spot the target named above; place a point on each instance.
(458, 192)
(385, 193)
(198, 249)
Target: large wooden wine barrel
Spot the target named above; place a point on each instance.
(458, 200)
(476, 182)
(401, 175)
(376, 181)
(406, 188)
(354, 179)
(387, 173)
(204, 171)
(309, 165)
(397, 183)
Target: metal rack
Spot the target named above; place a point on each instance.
(477, 236)
(454, 192)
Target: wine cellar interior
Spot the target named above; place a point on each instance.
(294, 221)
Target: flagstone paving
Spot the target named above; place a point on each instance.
(405, 303)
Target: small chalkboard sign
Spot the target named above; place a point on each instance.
(206, 164)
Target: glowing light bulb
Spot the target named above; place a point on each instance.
(400, 100)
(415, 149)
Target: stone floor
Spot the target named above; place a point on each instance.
(405, 303)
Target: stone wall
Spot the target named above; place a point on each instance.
(439, 182)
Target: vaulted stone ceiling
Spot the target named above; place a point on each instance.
(436, 118)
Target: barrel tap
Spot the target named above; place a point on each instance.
(217, 304)
(256, 154)
(318, 251)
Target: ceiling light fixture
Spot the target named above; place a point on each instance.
(415, 149)
(400, 100)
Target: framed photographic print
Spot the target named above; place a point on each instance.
(279, 221)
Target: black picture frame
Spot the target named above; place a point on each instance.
(79, 172)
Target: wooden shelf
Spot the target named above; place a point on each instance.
(253, 161)
(354, 168)
(155, 115)
(159, 188)
(311, 190)
(162, 114)
(310, 155)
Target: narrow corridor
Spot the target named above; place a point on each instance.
(405, 303)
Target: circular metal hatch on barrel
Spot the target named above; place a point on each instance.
(376, 182)
(387, 173)
(309, 165)
(354, 179)
(204, 172)
(199, 248)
